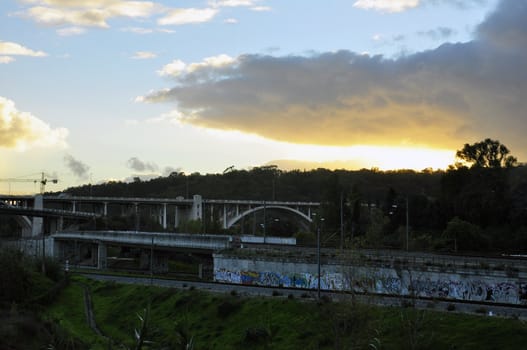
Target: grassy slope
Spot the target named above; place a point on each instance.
(230, 322)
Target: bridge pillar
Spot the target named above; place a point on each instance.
(37, 223)
(165, 216)
(197, 208)
(176, 217)
(56, 224)
(101, 256)
(225, 216)
(105, 208)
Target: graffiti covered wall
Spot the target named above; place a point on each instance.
(460, 286)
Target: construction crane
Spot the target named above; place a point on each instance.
(43, 181)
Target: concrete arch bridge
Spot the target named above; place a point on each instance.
(169, 212)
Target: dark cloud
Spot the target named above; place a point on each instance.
(78, 168)
(506, 28)
(444, 97)
(136, 164)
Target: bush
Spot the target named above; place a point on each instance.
(256, 335)
(227, 307)
(15, 277)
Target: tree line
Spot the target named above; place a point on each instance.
(478, 204)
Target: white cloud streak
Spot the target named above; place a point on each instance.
(71, 31)
(386, 5)
(6, 59)
(11, 49)
(187, 16)
(143, 55)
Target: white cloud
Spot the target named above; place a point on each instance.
(138, 30)
(6, 59)
(212, 62)
(231, 21)
(143, 55)
(97, 13)
(143, 31)
(232, 3)
(261, 8)
(187, 16)
(10, 48)
(179, 68)
(386, 5)
(21, 130)
(174, 68)
(57, 17)
(87, 13)
(71, 31)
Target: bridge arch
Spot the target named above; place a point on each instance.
(237, 218)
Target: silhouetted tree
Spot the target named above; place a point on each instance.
(487, 154)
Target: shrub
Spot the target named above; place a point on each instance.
(227, 307)
(256, 335)
(15, 277)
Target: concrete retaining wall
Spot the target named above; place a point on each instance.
(463, 284)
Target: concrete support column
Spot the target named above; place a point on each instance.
(105, 209)
(225, 216)
(101, 256)
(176, 217)
(73, 206)
(165, 216)
(136, 211)
(56, 224)
(197, 208)
(37, 223)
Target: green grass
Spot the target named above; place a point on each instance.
(68, 312)
(218, 321)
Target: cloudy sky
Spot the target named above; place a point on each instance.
(92, 90)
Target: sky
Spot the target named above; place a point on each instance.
(99, 90)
